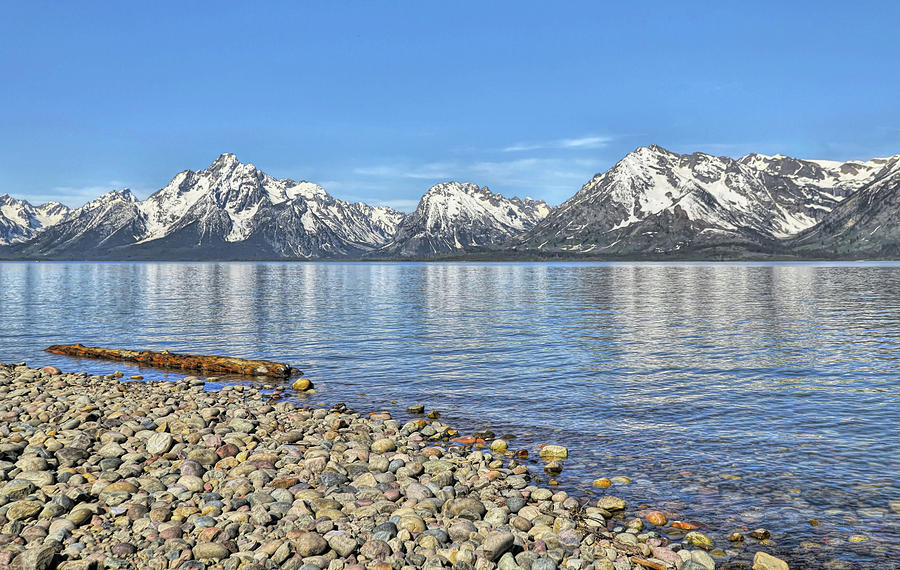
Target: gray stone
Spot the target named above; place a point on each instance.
(17, 489)
(544, 564)
(508, 562)
(159, 443)
(39, 558)
(703, 558)
(210, 551)
(311, 544)
(496, 544)
(343, 544)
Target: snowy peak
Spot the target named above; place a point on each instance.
(115, 196)
(765, 197)
(451, 202)
(226, 162)
(454, 217)
(227, 207)
(227, 187)
(20, 221)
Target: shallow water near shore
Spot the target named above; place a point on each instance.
(735, 395)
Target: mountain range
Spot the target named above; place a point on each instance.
(652, 204)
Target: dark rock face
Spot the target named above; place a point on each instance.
(867, 224)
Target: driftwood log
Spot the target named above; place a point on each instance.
(166, 359)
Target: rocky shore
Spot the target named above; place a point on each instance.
(100, 473)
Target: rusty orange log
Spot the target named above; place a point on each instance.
(166, 359)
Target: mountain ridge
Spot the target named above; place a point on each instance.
(653, 203)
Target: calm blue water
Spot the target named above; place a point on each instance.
(736, 395)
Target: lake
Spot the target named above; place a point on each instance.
(734, 395)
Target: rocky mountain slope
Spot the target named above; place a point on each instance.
(657, 201)
(455, 217)
(20, 221)
(230, 210)
(867, 224)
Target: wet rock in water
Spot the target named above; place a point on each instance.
(553, 467)
(765, 561)
(703, 559)
(416, 409)
(602, 483)
(499, 446)
(760, 534)
(554, 452)
(302, 384)
(698, 539)
(611, 503)
(656, 518)
(736, 537)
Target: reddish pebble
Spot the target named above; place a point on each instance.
(227, 450)
(171, 533)
(392, 494)
(51, 370)
(657, 518)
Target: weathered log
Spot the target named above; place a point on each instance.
(166, 359)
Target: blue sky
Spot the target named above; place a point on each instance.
(378, 101)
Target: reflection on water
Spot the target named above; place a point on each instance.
(758, 394)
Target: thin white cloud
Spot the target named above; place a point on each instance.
(426, 171)
(401, 204)
(586, 142)
(575, 143)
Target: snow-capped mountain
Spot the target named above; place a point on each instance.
(20, 221)
(455, 217)
(656, 201)
(229, 210)
(653, 202)
(867, 224)
(111, 221)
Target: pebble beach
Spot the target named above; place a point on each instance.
(96, 472)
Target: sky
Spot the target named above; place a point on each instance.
(377, 101)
